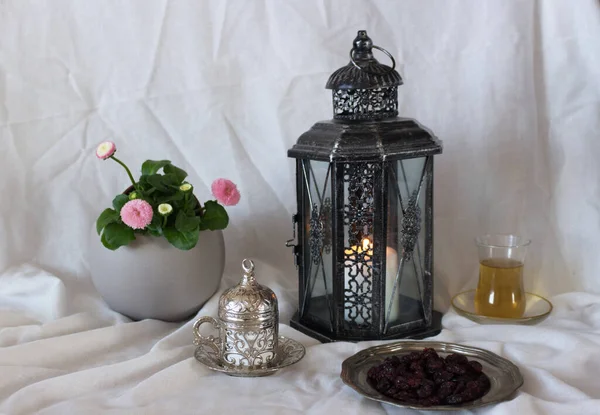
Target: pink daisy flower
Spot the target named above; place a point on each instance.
(105, 150)
(137, 213)
(226, 192)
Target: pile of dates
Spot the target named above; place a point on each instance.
(424, 378)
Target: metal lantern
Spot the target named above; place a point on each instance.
(364, 249)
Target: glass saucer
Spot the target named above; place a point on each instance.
(536, 310)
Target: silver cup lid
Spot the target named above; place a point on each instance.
(248, 302)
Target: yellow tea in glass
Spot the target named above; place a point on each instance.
(500, 291)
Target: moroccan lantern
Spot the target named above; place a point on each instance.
(364, 249)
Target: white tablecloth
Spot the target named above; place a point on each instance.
(63, 352)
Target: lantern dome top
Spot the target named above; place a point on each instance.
(365, 90)
(364, 71)
(365, 123)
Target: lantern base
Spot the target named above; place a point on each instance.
(326, 337)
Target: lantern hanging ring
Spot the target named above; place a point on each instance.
(389, 55)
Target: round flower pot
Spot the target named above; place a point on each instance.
(151, 279)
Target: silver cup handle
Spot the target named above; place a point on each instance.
(212, 341)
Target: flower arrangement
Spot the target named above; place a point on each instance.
(162, 204)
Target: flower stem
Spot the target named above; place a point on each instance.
(201, 210)
(126, 169)
(164, 225)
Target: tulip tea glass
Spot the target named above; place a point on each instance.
(500, 291)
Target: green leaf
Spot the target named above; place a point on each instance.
(116, 235)
(155, 227)
(163, 183)
(185, 223)
(153, 166)
(106, 244)
(143, 182)
(172, 181)
(168, 198)
(215, 217)
(119, 201)
(156, 181)
(181, 240)
(190, 203)
(154, 230)
(179, 173)
(106, 217)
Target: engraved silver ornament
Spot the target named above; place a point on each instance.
(248, 324)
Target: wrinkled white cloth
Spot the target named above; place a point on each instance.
(225, 88)
(62, 355)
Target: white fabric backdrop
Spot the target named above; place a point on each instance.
(224, 88)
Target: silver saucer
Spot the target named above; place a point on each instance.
(505, 377)
(289, 351)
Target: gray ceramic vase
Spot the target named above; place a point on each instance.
(151, 279)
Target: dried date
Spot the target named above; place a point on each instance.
(427, 379)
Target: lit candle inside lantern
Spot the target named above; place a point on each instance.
(359, 263)
(391, 269)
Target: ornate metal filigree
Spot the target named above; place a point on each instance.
(288, 352)
(359, 217)
(250, 300)
(249, 347)
(358, 104)
(320, 230)
(326, 221)
(358, 285)
(359, 209)
(316, 234)
(411, 225)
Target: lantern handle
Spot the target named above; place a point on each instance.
(389, 55)
(290, 242)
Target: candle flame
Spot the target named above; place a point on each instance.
(366, 247)
(366, 244)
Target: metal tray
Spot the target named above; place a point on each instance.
(505, 377)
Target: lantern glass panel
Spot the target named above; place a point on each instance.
(359, 229)
(318, 287)
(405, 255)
